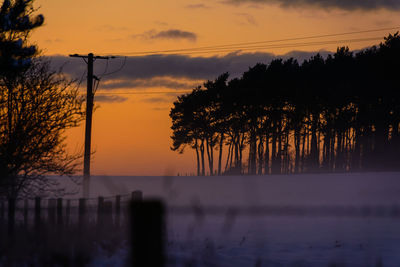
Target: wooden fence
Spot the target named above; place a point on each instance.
(59, 211)
(73, 219)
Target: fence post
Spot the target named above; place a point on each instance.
(67, 212)
(147, 233)
(11, 214)
(2, 210)
(59, 211)
(82, 212)
(26, 207)
(37, 211)
(117, 210)
(51, 209)
(107, 213)
(137, 195)
(100, 212)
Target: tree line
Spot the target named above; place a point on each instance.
(335, 114)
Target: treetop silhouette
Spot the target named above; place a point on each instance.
(334, 114)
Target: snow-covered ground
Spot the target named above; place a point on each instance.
(235, 239)
(304, 189)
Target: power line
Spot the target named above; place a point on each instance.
(144, 93)
(117, 70)
(289, 45)
(147, 93)
(202, 49)
(269, 44)
(243, 49)
(275, 46)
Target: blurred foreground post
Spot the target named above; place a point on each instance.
(26, 207)
(11, 214)
(137, 195)
(107, 213)
(100, 212)
(82, 212)
(37, 212)
(59, 211)
(147, 233)
(67, 211)
(51, 209)
(2, 210)
(117, 210)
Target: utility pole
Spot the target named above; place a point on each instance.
(89, 112)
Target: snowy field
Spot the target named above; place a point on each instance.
(212, 227)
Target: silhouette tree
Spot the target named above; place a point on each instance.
(334, 114)
(36, 106)
(183, 126)
(16, 23)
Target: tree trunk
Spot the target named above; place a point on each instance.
(280, 158)
(203, 169)
(241, 147)
(274, 167)
(303, 150)
(339, 152)
(314, 161)
(260, 155)
(266, 157)
(210, 157)
(198, 159)
(326, 149)
(229, 157)
(297, 149)
(221, 144)
(252, 153)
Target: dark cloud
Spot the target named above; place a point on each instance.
(169, 71)
(174, 34)
(327, 4)
(110, 98)
(147, 83)
(171, 34)
(197, 6)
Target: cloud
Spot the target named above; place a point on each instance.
(161, 23)
(383, 22)
(170, 71)
(171, 34)
(248, 18)
(159, 99)
(147, 83)
(56, 40)
(160, 108)
(197, 6)
(175, 34)
(327, 4)
(110, 98)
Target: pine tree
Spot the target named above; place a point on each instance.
(16, 23)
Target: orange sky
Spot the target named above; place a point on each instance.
(132, 136)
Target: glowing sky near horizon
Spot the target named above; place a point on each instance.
(131, 134)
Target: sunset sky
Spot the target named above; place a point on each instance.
(131, 130)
